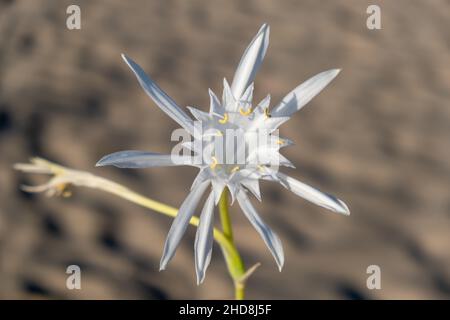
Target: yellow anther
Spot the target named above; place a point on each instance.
(280, 141)
(245, 113)
(63, 190)
(67, 193)
(224, 119)
(219, 133)
(266, 113)
(261, 168)
(235, 169)
(214, 163)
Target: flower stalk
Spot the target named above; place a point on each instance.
(236, 263)
(63, 177)
(225, 215)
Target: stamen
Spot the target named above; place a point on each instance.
(245, 113)
(235, 169)
(214, 163)
(266, 113)
(225, 119)
(261, 168)
(63, 190)
(67, 193)
(219, 133)
(280, 141)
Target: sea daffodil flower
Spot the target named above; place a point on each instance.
(235, 112)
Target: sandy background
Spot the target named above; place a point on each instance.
(377, 137)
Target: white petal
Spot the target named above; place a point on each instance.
(180, 223)
(201, 177)
(285, 161)
(263, 123)
(250, 62)
(204, 239)
(248, 173)
(271, 175)
(228, 101)
(199, 114)
(142, 159)
(218, 187)
(233, 191)
(160, 97)
(301, 95)
(268, 155)
(247, 97)
(279, 142)
(270, 238)
(273, 123)
(253, 186)
(214, 103)
(315, 196)
(264, 104)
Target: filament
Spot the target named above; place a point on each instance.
(245, 113)
(214, 163)
(225, 119)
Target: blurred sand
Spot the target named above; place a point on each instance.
(377, 137)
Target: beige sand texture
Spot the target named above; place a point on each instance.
(377, 137)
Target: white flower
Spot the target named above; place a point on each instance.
(234, 112)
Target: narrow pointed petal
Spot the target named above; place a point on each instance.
(263, 105)
(247, 96)
(273, 123)
(180, 223)
(214, 103)
(160, 97)
(40, 188)
(250, 62)
(270, 238)
(285, 161)
(272, 175)
(143, 159)
(218, 187)
(233, 191)
(280, 142)
(204, 239)
(313, 195)
(270, 124)
(201, 177)
(199, 114)
(249, 173)
(32, 168)
(300, 96)
(268, 155)
(253, 186)
(228, 100)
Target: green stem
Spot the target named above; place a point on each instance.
(225, 216)
(239, 291)
(235, 264)
(64, 176)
